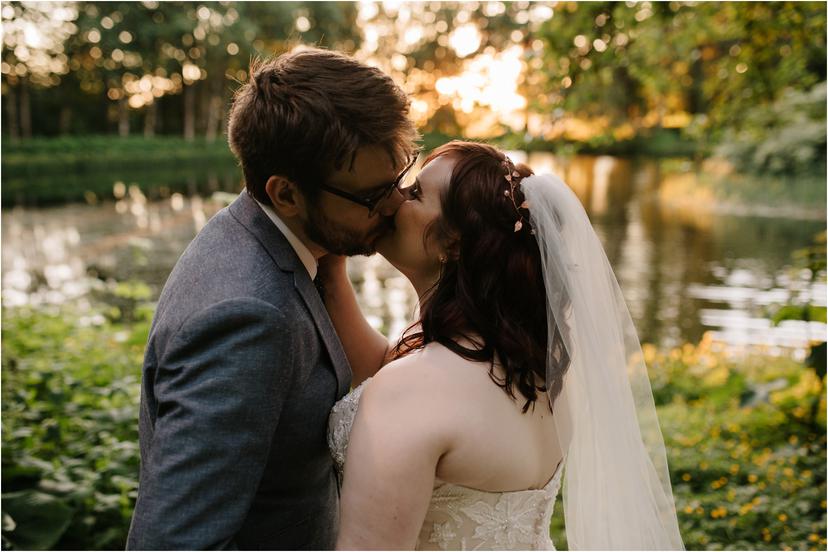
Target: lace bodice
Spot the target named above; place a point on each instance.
(461, 518)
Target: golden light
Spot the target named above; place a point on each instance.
(303, 24)
(419, 111)
(488, 80)
(413, 35)
(367, 10)
(136, 101)
(465, 40)
(191, 72)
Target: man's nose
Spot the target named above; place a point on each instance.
(392, 203)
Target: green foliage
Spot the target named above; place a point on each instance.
(636, 63)
(747, 466)
(46, 171)
(786, 137)
(83, 154)
(746, 474)
(33, 520)
(70, 442)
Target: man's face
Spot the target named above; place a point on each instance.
(343, 227)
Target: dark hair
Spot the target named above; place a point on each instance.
(491, 285)
(305, 113)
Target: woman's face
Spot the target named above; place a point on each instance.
(405, 247)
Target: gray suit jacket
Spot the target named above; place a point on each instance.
(241, 370)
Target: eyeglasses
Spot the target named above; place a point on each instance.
(375, 202)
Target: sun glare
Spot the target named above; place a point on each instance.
(490, 81)
(465, 40)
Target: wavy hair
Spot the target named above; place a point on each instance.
(491, 288)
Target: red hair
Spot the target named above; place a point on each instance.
(491, 288)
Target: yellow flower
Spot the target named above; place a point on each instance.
(688, 509)
(752, 478)
(721, 511)
(782, 517)
(686, 477)
(813, 537)
(734, 469)
(793, 439)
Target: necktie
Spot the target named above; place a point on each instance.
(319, 287)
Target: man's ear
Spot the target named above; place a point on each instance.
(285, 196)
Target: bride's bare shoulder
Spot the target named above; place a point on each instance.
(429, 374)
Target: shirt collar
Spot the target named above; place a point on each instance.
(301, 249)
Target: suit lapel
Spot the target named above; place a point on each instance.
(250, 215)
(304, 285)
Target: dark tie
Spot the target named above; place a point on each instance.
(319, 287)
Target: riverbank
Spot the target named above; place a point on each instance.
(714, 187)
(86, 154)
(82, 154)
(745, 436)
(50, 171)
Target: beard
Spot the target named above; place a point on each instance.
(341, 240)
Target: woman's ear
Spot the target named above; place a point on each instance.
(285, 196)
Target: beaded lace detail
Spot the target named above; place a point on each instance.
(461, 518)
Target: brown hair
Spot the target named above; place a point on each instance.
(491, 286)
(305, 113)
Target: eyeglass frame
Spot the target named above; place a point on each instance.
(372, 204)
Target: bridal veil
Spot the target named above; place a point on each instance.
(617, 493)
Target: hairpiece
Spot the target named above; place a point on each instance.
(513, 177)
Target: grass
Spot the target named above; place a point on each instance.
(84, 154)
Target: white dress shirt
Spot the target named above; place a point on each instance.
(301, 249)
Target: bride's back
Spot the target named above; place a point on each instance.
(491, 444)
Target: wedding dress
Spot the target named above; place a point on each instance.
(462, 518)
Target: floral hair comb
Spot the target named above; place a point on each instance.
(513, 177)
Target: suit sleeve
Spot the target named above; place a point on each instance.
(220, 385)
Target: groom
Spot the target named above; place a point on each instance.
(242, 365)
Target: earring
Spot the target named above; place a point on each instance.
(443, 258)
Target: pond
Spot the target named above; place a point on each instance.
(683, 271)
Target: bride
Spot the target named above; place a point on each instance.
(523, 373)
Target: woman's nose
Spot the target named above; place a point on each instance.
(392, 203)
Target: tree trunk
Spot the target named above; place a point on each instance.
(25, 110)
(214, 115)
(123, 117)
(65, 119)
(150, 118)
(12, 114)
(189, 112)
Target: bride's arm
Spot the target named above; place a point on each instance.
(365, 347)
(395, 445)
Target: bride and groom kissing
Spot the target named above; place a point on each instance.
(273, 416)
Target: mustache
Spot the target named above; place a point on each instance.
(384, 227)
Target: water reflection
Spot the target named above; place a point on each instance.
(681, 273)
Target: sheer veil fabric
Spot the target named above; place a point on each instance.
(617, 492)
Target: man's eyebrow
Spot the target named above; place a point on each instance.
(377, 188)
